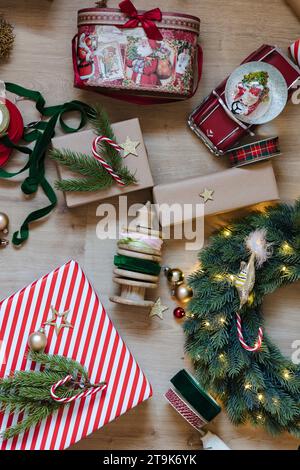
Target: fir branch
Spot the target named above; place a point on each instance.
(95, 176)
(102, 126)
(28, 392)
(34, 417)
(82, 184)
(59, 363)
(79, 163)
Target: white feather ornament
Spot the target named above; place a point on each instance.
(257, 244)
(260, 251)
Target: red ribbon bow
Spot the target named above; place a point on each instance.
(145, 19)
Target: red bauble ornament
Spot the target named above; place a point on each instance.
(179, 312)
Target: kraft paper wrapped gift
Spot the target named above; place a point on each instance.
(82, 142)
(230, 189)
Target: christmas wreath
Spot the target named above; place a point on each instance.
(243, 263)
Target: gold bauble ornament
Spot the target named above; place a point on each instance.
(175, 276)
(37, 341)
(183, 293)
(4, 221)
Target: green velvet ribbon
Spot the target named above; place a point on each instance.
(41, 133)
(203, 403)
(138, 265)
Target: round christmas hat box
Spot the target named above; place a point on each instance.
(256, 92)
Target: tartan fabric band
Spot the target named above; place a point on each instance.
(254, 152)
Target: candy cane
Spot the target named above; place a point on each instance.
(295, 51)
(87, 393)
(107, 166)
(241, 338)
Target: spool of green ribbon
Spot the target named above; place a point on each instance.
(137, 265)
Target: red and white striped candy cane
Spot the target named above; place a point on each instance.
(295, 51)
(107, 166)
(87, 393)
(241, 338)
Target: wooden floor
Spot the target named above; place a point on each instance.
(41, 59)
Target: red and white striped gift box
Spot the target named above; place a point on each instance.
(93, 341)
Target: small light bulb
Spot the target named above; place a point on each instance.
(286, 374)
(222, 320)
(222, 356)
(206, 323)
(260, 397)
(226, 232)
(190, 315)
(248, 386)
(287, 248)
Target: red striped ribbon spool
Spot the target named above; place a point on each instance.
(183, 408)
(295, 51)
(87, 393)
(103, 162)
(258, 343)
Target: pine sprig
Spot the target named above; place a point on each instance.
(28, 392)
(93, 176)
(102, 126)
(81, 184)
(79, 163)
(33, 417)
(262, 387)
(60, 364)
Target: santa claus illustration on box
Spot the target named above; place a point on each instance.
(149, 65)
(85, 50)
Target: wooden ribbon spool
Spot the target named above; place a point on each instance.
(134, 284)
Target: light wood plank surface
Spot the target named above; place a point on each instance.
(41, 59)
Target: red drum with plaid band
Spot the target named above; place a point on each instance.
(93, 341)
(253, 152)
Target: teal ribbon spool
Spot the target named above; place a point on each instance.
(191, 391)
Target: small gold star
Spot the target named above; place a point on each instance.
(158, 309)
(129, 147)
(53, 321)
(207, 195)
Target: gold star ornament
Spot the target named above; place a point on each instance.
(207, 195)
(53, 320)
(129, 147)
(158, 309)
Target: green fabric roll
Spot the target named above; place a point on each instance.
(137, 265)
(189, 388)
